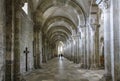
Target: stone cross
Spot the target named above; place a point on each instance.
(26, 52)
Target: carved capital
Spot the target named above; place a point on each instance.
(94, 27)
(104, 4)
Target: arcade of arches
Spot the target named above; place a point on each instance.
(34, 32)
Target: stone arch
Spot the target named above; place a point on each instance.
(59, 32)
(58, 18)
(58, 24)
(50, 3)
(55, 37)
(59, 28)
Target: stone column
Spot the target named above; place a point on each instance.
(44, 52)
(95, 49)
(38, 48)
(75, 49)
(92, 49)
(77, 59)
(9, 40)
(95, 61)
(2, 43)
(88, 47)
(17, 25)
(78, 48)
(84, 51)
(35, 47)
(71, 50)
(115, 38)
(97, 46)
(77, 37)
(69, 53)
(67, 50)
(72, 56)
(105, 6)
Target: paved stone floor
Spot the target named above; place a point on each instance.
(59, 69)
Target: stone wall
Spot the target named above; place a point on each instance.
(26, 40)
(2, 26)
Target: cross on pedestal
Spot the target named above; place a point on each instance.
(26, 52)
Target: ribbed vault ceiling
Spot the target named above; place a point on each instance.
(60, 19)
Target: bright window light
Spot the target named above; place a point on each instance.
(25, 8)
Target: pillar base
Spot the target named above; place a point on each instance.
(94, 66)
(118, 78)
(106, 77)
(71, 58)
(84, 66)
(17, 77)
(88, 66)
(77, 61)
(74, 60)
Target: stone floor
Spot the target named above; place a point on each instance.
(61, 69)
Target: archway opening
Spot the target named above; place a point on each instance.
(60, 49)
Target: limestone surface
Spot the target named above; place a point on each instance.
(61, 69)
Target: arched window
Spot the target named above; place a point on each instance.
(25, 7)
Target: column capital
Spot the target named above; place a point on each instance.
(94, 26)
(76, 36)
(103, 4)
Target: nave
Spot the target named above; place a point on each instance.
(61, 69)
(86, 32)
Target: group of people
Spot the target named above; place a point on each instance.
(60, 55)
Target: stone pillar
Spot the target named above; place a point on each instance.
(88, 47)
(67, 50)
(75, 42)
(75, 49)
(105, 6)
(95, 61)
(84, 51)
(69, 53)
(76, 38)
(37, 48)
(2, 42)
(97, 46)
(72, 50)
(17, 25)
(78, 50)
(92, 44)
(115, 38)
(9, 41)
(95, 49)
(44, 49)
